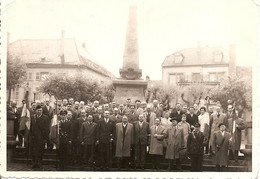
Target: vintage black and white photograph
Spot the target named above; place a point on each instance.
(144, 87)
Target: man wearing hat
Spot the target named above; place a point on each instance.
(175, 143)
(65, 142)
(221, 141)
(39, 131)
(195, 146)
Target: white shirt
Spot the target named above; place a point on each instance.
(106, 120)
(234, 126)
(124, 124)
(223, 133)
(156, 128)
(140, 123)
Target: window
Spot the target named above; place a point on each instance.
(38, 76)
(216, 76)
(176, 78)
(196, 77)
(29, 76)
(44, 75)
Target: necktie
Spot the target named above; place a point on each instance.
(156, 128)
(175, 130)
(218, 115)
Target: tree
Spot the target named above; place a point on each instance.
(193, 93)
(236, 89)
(16, 73)
(79, 88)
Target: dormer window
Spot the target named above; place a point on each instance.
(178, 58)
(218, 56)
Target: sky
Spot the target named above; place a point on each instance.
(164, 27)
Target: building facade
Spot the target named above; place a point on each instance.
(52, 56)
(198, 65)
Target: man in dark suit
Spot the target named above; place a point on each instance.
(132, 115)
(192, 118)
(195, 148)
(177, 113)
(106, 128)
(16, 115)
(88, 139)
(48, 110)
(99, 115)
(115, 116)
(141, 134)
(39, 131)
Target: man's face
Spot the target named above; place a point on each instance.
(185, 109)
(115, 111)
(230, 108)
(183, 118)
(76, 105)
(148, 109)
(63, 116)
(90, 118)
(155, 103)
(106, 114)
(47, 102)
(197, 129)
(143, 105)
(65, 102)
(87, 109)
(100, 110)
(42, 104)
(13, 105)
(71, 101)
(83, 113)
(69, 115)
(96, 104)
(195, 106)
(33, 106)
(202, 111)
(218, 109)
(113, 105)
(39, 111)
(210, 109)
(138, 104)
(191, 110)
(222, 127)
(132, 108)
(157, 122)
(166, 115)
(128, 101)
(178, 106)
(141, 118)
(124, 119)
(23, 101)
(69, 106)
(121, 107)
(106, 107)
(174, 122)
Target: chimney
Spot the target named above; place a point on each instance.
(232, 60)
(62, 57)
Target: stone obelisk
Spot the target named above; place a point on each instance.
(130, 85)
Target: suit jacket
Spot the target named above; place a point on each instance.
(141, 133)
(89, 133)
(177, 115)
(96, 117)
(123, 143)
(158, 111)
(106, 131)
(195, 144)
(192, 120)
(132, 117)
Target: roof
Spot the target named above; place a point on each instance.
(197, 56)
(48, 51)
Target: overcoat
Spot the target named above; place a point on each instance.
(175, 142)
(123, 146)
(221, 147)
(214, 122)
(236, 135)
(195, 144)
(186, 131)
(88, 133)
(39, 132)
(156, 144)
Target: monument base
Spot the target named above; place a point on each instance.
(133, 89)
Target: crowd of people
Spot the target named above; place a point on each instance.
(94, 135)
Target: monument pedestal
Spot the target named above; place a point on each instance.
(133, 89)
